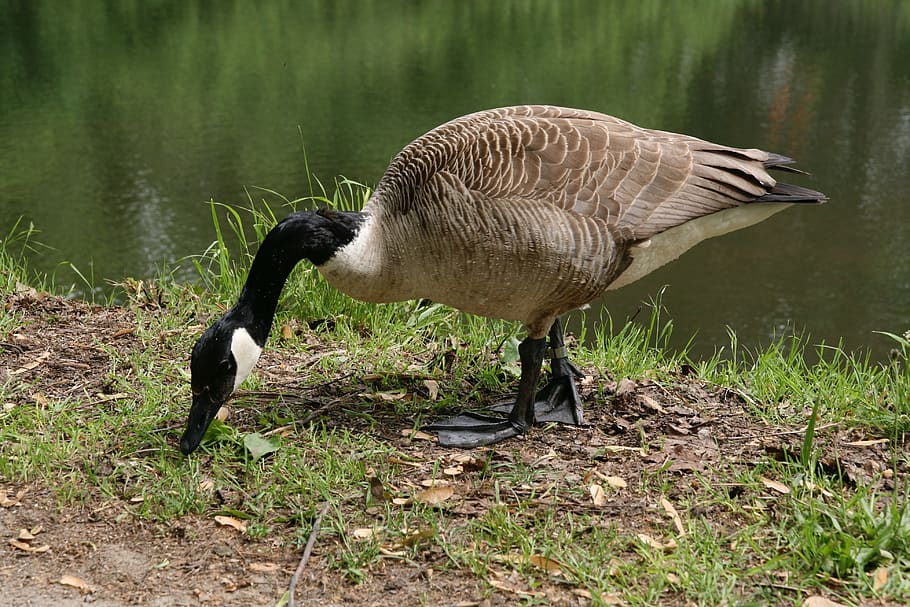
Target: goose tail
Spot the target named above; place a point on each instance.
(787, 192)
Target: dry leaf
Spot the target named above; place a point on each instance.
(432, 387)
(28, 548)
(435, 495)
(124, 332)
(7, 502)
(670, 509)
(263, 567)
(230, 521)
(401, 501)
(617, 482)
(453, 470)
(820, 601)
(223, 413)
(621, 448)
(598, 495)
(386, 397)
(879, 578)
(651, 403)
(774, 485)
(287, 332)
(404, 462)
(506, 586)
(657, 544)
(551, 566)
(76, 582)
(868, 443)
(363, 533)
(25, 535)
(32, 365)
(433, 482)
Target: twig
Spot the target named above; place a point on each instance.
(781, 433)
(313, 415)
(306, 554)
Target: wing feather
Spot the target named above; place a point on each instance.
(639, 180)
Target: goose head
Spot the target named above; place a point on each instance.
(222, 358)
(225, 354)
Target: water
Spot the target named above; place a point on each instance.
(119, 121)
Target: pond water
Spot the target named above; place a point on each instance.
(119, 121)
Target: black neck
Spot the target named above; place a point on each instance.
(307, 235)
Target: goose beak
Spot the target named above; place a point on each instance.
(202, 412)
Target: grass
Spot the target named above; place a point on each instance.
(528, 511)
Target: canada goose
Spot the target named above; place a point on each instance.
(521, 213)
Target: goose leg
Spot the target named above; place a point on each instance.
(474, 430)
(558, 401)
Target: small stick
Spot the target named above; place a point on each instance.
(781, 433)
(306, 553)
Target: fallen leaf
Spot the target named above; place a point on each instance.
(820, 601)
(404, 462)
(223, 413)
(621, 448)
(774, 485)
(230, 521)
(401, 501)
(29, 548)
(626, 386)
(258, 446)
(287, 332)
(363, 533)
(652, 404)
(550, 565)
(867, 443)
(617, 482)
(123, 332)
(670, 509)
(453, 470)
(25, 535)
(879, 578)
(435, 495)
(8, 502)
(598, 496)
(76, 582)
(263, 567)
(506, 586)
(433, 482)
(386, 397)
(646, 539)
(32, 365)
(432, 387)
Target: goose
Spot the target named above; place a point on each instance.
(521, 213)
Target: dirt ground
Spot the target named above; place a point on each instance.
(97, 553)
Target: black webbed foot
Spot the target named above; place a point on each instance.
(558, 401)
(470, 430)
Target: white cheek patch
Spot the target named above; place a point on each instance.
(246, 352)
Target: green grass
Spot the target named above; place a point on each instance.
(740, 547)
